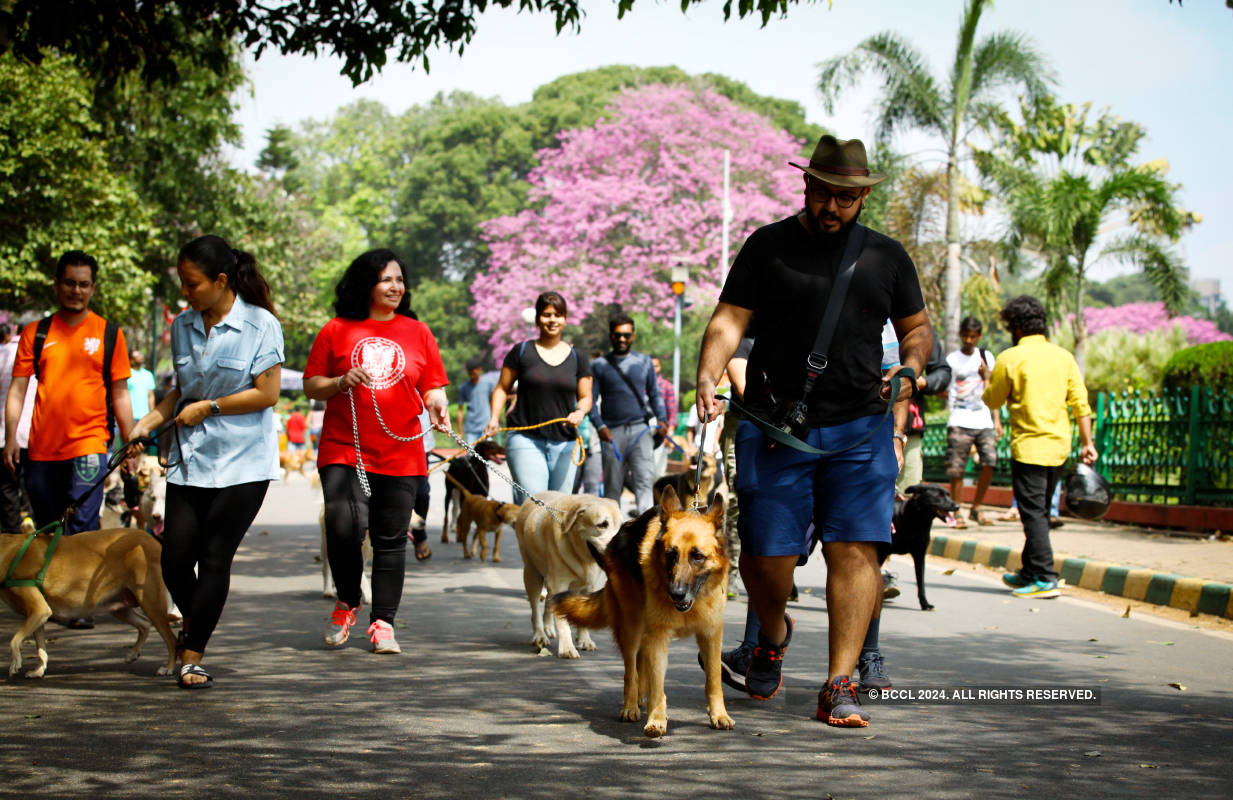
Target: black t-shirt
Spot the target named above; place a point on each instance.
(784, 275)
(544, 391)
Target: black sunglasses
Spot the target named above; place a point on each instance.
(620, 335)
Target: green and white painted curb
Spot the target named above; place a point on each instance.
(1159, 588)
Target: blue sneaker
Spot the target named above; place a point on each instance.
(872, 671)
(1038, 589)
(1014, 580)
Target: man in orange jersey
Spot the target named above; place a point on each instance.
(78, 390)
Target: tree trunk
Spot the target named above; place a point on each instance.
(1079, 326)
(954, 267)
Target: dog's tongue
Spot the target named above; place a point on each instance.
(950, 520)
(157, 527)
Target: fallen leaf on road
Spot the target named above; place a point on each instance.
(33, 716)
(263, 533)
(1094, 655)
(950, 571)
(1092, 754)
(1093, 639)
(543, 651)
(1126, 613)
(1033, 610)
(1165, 644)
(873, 736)
(1149, 766)
(1177, 686)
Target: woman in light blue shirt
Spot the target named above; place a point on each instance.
(228, 353)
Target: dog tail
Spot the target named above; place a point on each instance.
(585, 610)
(455, 481)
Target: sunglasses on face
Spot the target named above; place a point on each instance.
(820, 194)
(620, 335)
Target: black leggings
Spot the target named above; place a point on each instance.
(203, 529)
(386, 516)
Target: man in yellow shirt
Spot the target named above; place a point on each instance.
(1038, 381)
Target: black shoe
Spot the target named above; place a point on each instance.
(80, 623)
(1056, 522)
(764, 675)
(732, 666)
(795, 595)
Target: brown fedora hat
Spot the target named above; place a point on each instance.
(841, 162)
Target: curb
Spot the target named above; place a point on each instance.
(1159, 588)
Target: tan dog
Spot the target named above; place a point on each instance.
(557, 554)
(689, 492)
(114, 570)
(667, 578)
(290, 461)
(488, 516)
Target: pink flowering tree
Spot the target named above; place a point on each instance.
(1147, 317)
(618, 204)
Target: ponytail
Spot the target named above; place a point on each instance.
(213, 256)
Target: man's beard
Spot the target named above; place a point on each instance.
(828, 238)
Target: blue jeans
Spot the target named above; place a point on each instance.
(52, 485)
(540, 464)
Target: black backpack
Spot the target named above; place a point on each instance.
(109, 349)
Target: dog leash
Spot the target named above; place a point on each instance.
(637, 438)
(556, 514)
(360, 472)
(579, 456)
(57, 527)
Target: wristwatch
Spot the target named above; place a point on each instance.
(214, 409)
(903, 437)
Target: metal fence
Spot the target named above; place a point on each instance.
(1157, 447)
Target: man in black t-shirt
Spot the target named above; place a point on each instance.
(781, 281)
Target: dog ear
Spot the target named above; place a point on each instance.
(669, 503)
(716, 511)
(915, 488)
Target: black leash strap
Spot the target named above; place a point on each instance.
(783, 437)
(817, 360)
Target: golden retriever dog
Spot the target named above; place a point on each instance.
(116, 570)
(557, 550)
(688, 490)
(290, 461)
(667, 578)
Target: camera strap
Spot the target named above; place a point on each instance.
(817, 360)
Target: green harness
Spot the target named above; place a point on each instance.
(37, 581)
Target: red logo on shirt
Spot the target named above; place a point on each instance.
(381, 358)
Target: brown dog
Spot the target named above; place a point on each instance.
(488, 516)
(667, 578)
(684, 484)
(290, 461)
(114, 570)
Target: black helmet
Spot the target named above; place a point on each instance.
(1087, 493)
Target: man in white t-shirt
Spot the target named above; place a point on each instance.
(970, 421)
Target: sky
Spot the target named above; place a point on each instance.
(1166, 66)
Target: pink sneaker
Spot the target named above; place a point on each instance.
(382, 635)
(339, 629)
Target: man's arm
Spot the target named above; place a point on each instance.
(122, 405)
(915, 341)
(723, 333)
(998, 390)
(1076, 398)
(654, 396)
(12, 415)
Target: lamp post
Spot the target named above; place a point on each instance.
(680, 274)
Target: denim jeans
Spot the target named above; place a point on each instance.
(540, 464)
(52, 485)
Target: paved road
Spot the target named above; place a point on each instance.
(470, 711)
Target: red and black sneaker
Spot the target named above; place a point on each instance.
(838, 705)
(765, 673)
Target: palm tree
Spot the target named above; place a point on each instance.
(911, 98)
(1066, 181)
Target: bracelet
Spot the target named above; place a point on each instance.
(338, 383)
(903, 437)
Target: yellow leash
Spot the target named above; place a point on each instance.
(578, 456)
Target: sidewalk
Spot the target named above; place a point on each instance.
(1139, 563)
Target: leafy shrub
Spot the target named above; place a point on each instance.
(1119, 359)
(1209, 365)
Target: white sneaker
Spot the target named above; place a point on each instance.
(382, 635)
(339, 629)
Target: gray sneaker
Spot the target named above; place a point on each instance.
(890, 585)
(341, 621)
(872, 671)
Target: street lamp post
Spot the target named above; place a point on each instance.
(680, 274)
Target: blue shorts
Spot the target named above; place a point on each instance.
(850, 496)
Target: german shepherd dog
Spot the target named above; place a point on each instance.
(667, 578)
(913, 523)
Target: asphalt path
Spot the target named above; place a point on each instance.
(471, 710)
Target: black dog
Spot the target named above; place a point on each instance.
(471, 473)
(913, 521)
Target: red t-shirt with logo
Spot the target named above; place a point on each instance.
(296, 424)
(402, 357)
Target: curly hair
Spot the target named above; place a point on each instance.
(355, 287)
(1025, 314)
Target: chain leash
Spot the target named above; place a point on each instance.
(355, 433)
(492, 467)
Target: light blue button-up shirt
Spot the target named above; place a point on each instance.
(229, 449)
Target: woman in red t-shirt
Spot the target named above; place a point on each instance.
(372, 364)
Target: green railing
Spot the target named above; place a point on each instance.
(1157, 447)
